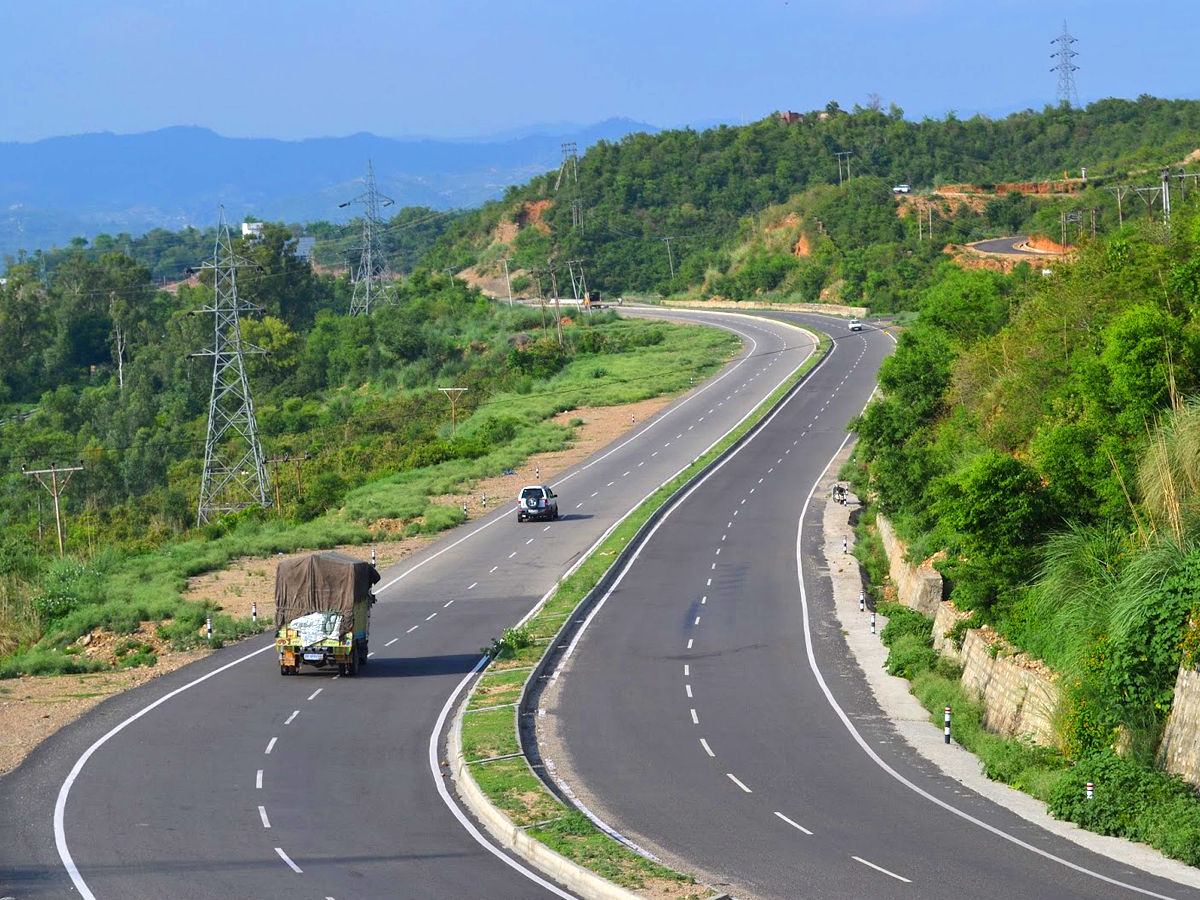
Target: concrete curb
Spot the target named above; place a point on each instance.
(570, 874)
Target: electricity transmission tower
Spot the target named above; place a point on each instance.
(371, 282)
(1065, 68)
(570, 168)
(235, 475)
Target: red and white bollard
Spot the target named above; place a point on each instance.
(946, 727)
(1090, 789)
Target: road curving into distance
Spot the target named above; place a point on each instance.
(712, 714)
(225, 780)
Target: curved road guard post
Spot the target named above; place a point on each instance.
(1090, 789)
(254, 612)
(947, 728)
(862, 601)
(208, 628)
(872, 621)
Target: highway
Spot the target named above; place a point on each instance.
(225, 780)
(1008, 246)
(712, 714)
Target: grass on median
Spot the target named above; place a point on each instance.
(510, 783)
(498, 688)
(490, 733)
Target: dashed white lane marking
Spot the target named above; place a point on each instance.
(313, 695)
(752, 490)
(258, 780)
(292, 716)
(710, 411)
(686, 687)
(743, 503)
(270, 746)
(594, 493)
(369, 655)
(678, 436)
(687, 670)
(577, 505)
(735, 512)
(667, 444)
(547, 528)
(528, 542)
(707, 749)
(511, 555)
(714, 565)
(392, 641)
(610, 484)
(494, 568)
(718, 553)
(411, 630)
(475, 584)
(655, 453)
(430, 616)
(695, 718)
(736, 781)
(704, 599)
(642, 463)
(697, 622)
(709, 581)
(770, 470)
(262, 814)
(295, 868)
(625, 475)
(689, 646)
(760, 481)
(795, 825)
(446, 605)
(881, 869)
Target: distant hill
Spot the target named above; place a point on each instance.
(59, 188)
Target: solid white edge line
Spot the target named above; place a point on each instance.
(60, 804)
(875, 757)
(444, 792)
(795, 825)
(287, 859)
(880, 869)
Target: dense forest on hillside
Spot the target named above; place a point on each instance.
(703, 189)
(1042, 432)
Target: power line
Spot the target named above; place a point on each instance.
(234, 474)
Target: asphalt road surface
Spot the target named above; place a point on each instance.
(1005, 245)
(225, 780)
(696, 725)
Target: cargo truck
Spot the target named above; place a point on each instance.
(323, 612)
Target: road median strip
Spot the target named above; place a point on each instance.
(512, 794)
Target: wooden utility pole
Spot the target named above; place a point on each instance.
(274, 464)
(453, 393)
(55, 487)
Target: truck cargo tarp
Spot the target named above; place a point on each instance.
(321, 582)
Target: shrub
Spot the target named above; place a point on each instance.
(910, 655)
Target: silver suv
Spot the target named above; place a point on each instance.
(537, 501)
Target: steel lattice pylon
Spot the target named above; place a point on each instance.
(1065, 68)
(235, 476)
(372, 283)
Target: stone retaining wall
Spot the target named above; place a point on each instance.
(917, 588)
(1180, 751)
(1019, 701)
(833, 309)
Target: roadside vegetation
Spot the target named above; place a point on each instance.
(351, 403)
(1040, 435)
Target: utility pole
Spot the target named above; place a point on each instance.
(1119, 191)
(234, 473)
(507, 280)
(670, 259)
(843, 155)
(372, 283)
(55, 487)
(453, 393)
(1065, 67)
(557, 308)
(1166, 192)
(274, 464)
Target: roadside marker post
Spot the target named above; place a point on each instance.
(872, 621)
(208, 628)
(1091, 790)
(862, 601)
(254, 612)
(947, 727)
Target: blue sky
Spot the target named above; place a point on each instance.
(307, 68)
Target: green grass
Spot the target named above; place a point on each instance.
(497, 688)
(516, 790)
(489, 734)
